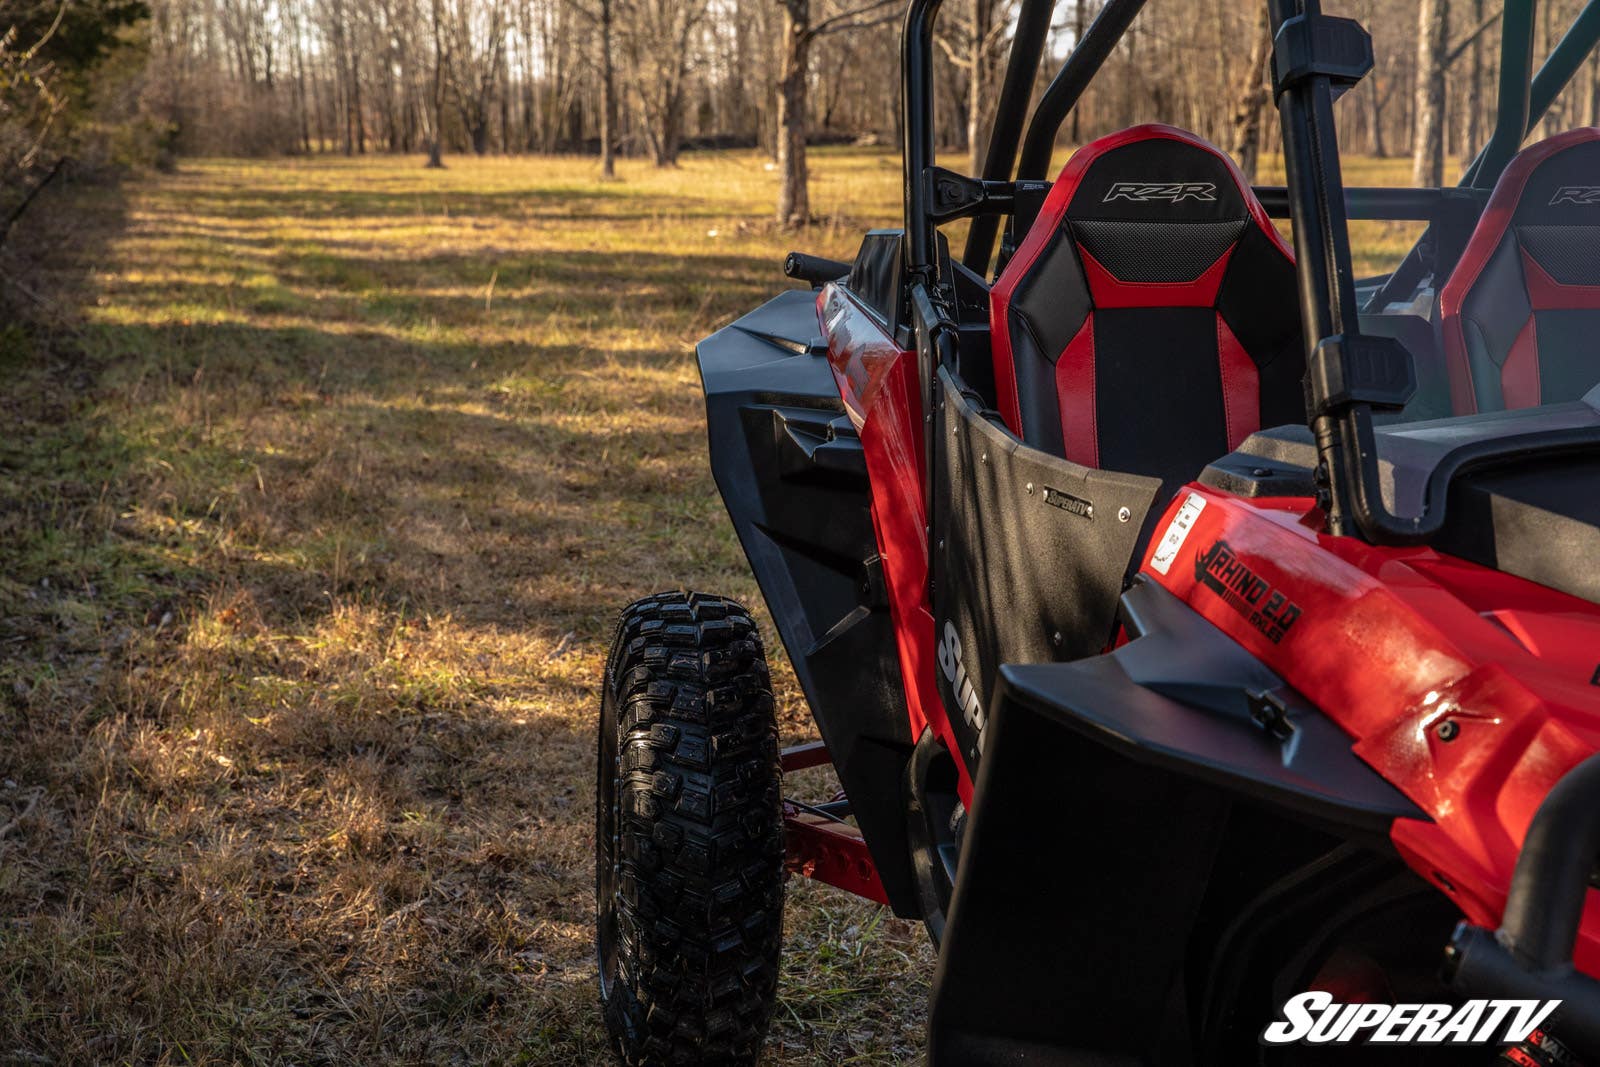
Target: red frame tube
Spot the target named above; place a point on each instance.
(820, 848)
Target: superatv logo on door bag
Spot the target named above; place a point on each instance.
(960, 681)
(1315, 1018)
(1074, 505)
(1173, 192)
(1245, 591)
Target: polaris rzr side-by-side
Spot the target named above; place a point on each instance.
(1206, 641)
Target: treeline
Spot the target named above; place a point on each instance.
(654, 77)
(265, 76)
(501, 76)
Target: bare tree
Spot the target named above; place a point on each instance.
(794, 192)
(1427, 151)
(794, 69)
(435, 148)
(1252, 95)
(1471, 43)
(974, 47)
(1471, 119)
(1080, 23)
(602, 17)
(658, 36)
(608, 97)
(29, 107)
(476, 31)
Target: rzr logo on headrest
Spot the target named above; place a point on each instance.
(1173, 192)
(1576, 194)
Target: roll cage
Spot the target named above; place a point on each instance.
(1351, 374)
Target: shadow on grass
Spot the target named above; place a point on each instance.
(623, 287)
(568, 202)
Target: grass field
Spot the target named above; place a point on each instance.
(321, 485)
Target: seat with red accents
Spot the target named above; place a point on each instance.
(1148, 322)
(1520, 313)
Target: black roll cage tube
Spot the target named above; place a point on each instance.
(1349, 375)
(1027, 49)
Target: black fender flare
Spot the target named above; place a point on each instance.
(1098, 806)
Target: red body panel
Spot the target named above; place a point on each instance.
(879, 384)
(1470, 690)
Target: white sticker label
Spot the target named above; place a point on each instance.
(1177, 532)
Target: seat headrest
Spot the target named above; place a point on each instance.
(1156, 204)
(1553, 183)
(1153, 174)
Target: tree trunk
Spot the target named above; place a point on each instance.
(477, 117)
(300, 86)
(344, 108)
(1379, 148)
(1471, 130)
(978, 85)
(794, 197)
(1427, 146)
(526, 138)
(357, 116)
(670, 137)
(319, 92)
(1245, 139)
(505, 104)
(608, 98)
(1553, 117)
(435, 150)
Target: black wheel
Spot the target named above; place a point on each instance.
(689, 835)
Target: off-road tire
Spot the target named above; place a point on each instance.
(689, 835)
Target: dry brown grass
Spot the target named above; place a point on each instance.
(317, 504)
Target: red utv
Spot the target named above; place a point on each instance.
(1207, 641)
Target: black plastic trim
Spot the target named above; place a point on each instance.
(1065, 941)
(1530, 956)
(1307, 46)
(1180, 696)
(792, 475)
